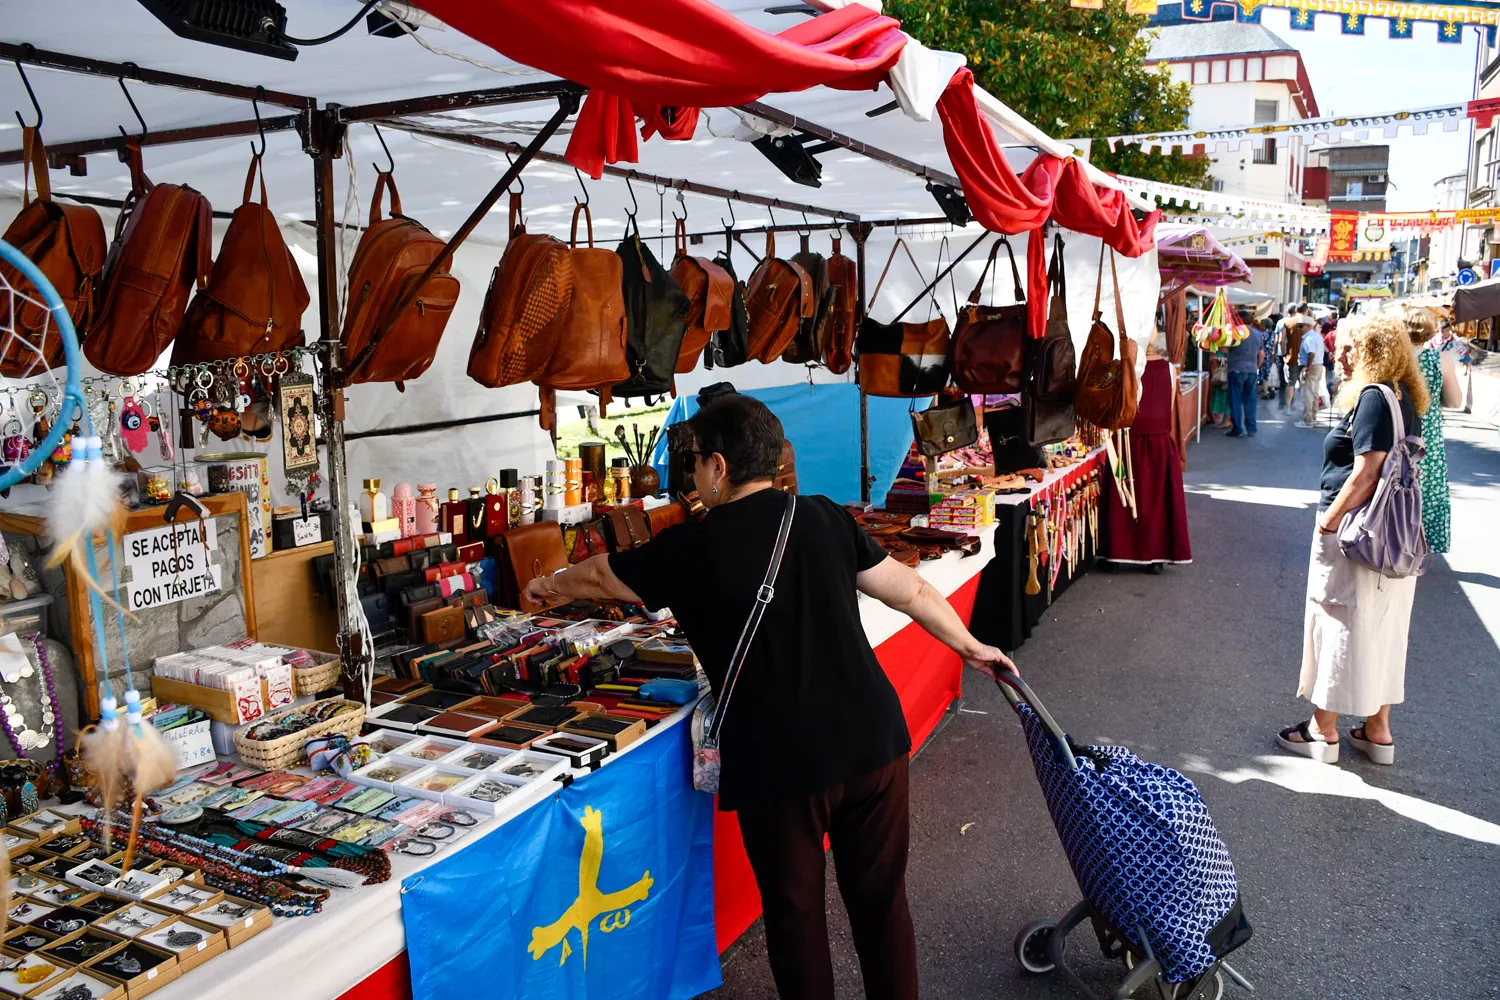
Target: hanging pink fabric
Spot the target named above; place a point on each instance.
(639, 59)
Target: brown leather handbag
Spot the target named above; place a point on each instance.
(902, 359)
(1108, 387)
(393, 254)
(779, 297)
(991, 343)
(843, 312)
(710, 293)
(163, 243)
(255, 296)
(590, 349)
(527, 552)
(807, 346)
(66, 243)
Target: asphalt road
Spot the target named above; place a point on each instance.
(1363, 882)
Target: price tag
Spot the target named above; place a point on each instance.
(150, 974)
(306, 530)
(202, 945)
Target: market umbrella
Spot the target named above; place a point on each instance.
(1480, 300)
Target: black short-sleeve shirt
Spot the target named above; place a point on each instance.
(1368, 427)
(812, 707)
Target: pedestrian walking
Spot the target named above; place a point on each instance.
(1243, 362)
(1356, 621)
(1440, 372)
(1288, 342)
(1310, 362)
(1218, 381)
(1328, 328)
(814, 743)
(1267, 337)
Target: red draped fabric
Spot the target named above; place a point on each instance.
(662, 60)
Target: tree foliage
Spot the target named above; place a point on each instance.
(1074, 72)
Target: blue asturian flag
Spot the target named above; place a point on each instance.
(602, 890)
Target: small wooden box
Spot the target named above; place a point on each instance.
(214, 942)
(220, 705)
(616, 730)
(240, 919)
(113, 989)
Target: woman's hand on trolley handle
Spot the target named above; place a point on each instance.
(905, 590)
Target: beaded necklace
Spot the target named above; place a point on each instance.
(29, 739)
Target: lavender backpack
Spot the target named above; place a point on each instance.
(1385, 533)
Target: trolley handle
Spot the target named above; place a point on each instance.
(1010, 683)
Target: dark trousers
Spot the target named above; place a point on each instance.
(865, 820)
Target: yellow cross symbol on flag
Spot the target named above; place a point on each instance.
(591, 903)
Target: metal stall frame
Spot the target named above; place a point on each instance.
(322, 129)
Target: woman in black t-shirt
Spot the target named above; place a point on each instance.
(1356, 622)
(815, 742)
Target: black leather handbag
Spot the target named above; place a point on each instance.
(731, 347)
(945, 426)
(1050, 384)
(1008, 441)
(656, 312)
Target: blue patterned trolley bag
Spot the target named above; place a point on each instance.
(1142, 846)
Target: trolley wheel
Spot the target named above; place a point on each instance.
(1209, 986)
(1034, 946)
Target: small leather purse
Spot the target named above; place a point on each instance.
(627, 528)
(442, 624)
(945, 427)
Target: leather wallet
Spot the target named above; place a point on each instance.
(420, 592)
(476, 596)
(446, 553)
(420, 558)
(442, 624)
(414, 615)
(377, 609)
(392, 565)
(394, 584)
(436, 572)
(470, 552)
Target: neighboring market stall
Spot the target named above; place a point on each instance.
(283, 586)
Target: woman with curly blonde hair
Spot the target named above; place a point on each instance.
(1356, 622)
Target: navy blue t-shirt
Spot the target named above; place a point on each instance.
(1368, 427)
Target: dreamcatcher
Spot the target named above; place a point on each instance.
(85, 503)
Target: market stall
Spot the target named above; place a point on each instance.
(324, 417)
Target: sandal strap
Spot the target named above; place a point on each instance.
(1302, 730)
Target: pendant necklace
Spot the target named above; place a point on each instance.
(22, 737)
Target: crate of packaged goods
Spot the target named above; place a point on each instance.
(229, 692)
(277, 740)
(966, 509)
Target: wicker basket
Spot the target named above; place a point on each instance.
(287, 750)
(311, 680)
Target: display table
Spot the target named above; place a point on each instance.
(1003, 613)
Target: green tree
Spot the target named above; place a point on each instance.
(1074, 72)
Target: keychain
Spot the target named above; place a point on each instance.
(134, 429)
(163, 430)
(40, 428)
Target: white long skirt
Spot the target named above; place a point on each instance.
(1354, 633)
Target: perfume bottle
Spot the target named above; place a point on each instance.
(510, 489)
(427, 508)
(453, 518)
(404, 509)
(474, 527)
(496, 508)
(373, 505)
(527, 493)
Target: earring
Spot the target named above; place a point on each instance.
(715, 491)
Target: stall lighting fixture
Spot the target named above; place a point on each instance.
(796, 156)
(952, 202)
(256, 26)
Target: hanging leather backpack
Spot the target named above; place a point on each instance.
(709, 290)
(779, 298)
(730, 346)
(525, 305)
(393, 254)
(66, 243)
(1047, 399)
(843, 312)
(1109, 389)
(255, 296)
(656, 319)
(902, 359)
(991, 343)
(807, 346)
(163, 243)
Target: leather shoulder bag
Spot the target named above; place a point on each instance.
(904, 360)
(656, 313)
(843, 312)
(708, 717)
(1047, 399)
(66, 243)
(709, 290)
(255, 296)
(590, 348)
(731, 345)
(780, 296)
(163, 245)
(1108, 387)
(945, 426)
(807, 346)
(527, 552)
(529, 296)
(991, 343)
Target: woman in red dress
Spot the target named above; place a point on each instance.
(1159, 533)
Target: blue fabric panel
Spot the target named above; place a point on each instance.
(822, 422)
(604, 891)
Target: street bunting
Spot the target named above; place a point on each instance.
(1400, 16)
(1329, 131)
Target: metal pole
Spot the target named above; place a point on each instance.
(33, 56)
(323, 139)
(941, 275)
(861, 232)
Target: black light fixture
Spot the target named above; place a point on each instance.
(795, 156)
(384, 26)
(257, 26)
(952, 202)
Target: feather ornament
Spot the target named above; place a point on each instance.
(85, 502)
(152, 766)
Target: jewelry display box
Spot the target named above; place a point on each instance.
(193, 943)
(80, 984)
(240, 919)
(578, 750)
(143, 970)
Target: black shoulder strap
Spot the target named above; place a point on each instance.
(752, 624)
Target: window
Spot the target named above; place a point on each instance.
(1354, 190)
(1265, 112)
(1216, 185)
